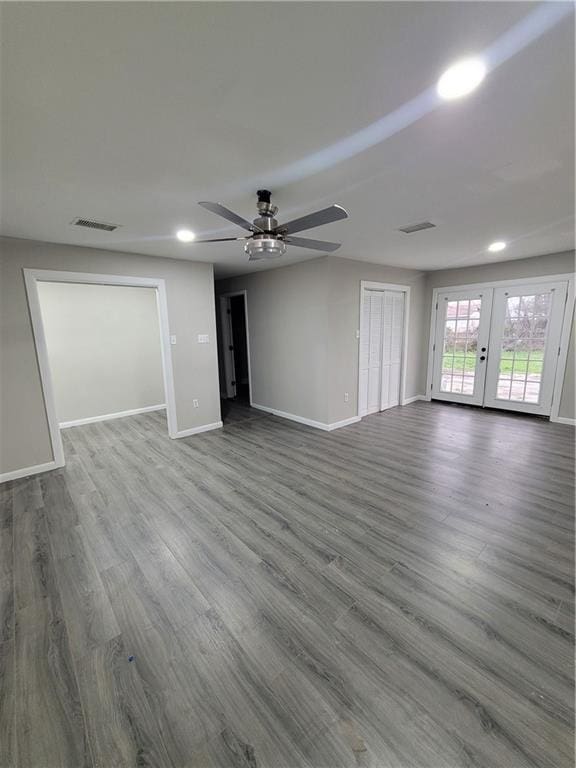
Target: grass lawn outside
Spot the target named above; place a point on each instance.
(467, 363)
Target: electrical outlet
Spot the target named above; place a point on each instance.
(172, 339)
(345, 397)
(195, 403)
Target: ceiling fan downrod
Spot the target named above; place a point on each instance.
(267, 211)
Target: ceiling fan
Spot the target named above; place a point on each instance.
(268, 239)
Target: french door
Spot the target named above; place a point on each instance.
(498, 347)
(525, 339)
(461, 344)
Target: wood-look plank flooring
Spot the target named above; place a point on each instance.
(396, 593)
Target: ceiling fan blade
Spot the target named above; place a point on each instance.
(220, 210)
(325, 216)
(220, 239)
(317, 245)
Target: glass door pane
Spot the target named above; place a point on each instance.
(460, 345)
(524, 340)
(522, 347)
(461, 332)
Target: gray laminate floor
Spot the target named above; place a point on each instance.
(396, 593)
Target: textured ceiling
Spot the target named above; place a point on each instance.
(132, 112)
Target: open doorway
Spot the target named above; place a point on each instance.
(234, 352)
(103, 349)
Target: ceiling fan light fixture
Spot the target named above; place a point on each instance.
(265, 248)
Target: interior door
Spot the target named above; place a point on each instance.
(227, 347)
(392, 343)
(372, 373)
(381, 349)
(460, 345)
(364, 360)
(524, 343)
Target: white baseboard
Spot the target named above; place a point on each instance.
(27, 471)
(109, 416)
(307, 422)
(409, 400)
(198, 430)
(344, 423)
(291, 416)
(563, 420)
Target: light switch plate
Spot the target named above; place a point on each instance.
(172, 339)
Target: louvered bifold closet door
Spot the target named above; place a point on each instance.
(375, 361)
(371, 353)
(392, 336)
(364, 358)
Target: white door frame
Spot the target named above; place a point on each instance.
(31, 278)
(229, 295)
(369, 285)
(564, 339)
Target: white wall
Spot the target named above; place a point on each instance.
(24, 435)
(287, 318)
(345, 276)
(303, 320)
(103, 348)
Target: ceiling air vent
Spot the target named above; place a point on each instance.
(91, 224)
(410, 228)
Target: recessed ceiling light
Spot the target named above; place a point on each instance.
(461, 78)
(185, 235)
(499, 245)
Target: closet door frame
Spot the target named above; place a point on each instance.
(564, 337)
(368, 285)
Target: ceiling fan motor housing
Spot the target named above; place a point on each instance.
(267, 211)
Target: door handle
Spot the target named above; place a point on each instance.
(482, 357)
